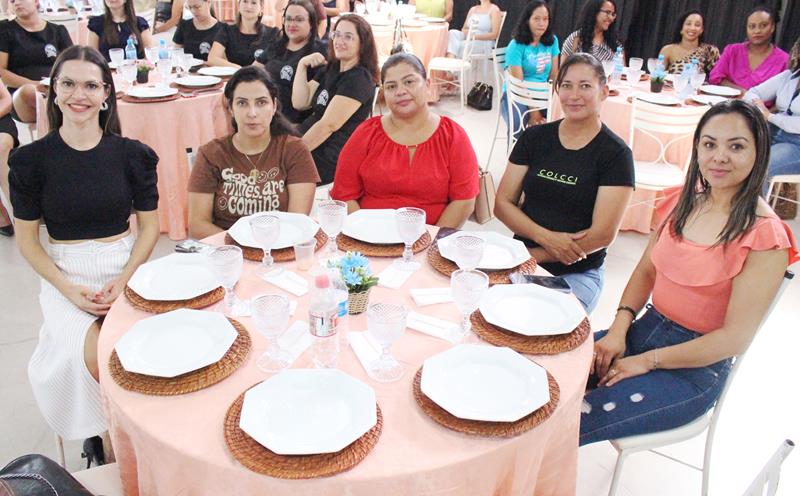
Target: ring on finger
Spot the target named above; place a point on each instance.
(612, 372)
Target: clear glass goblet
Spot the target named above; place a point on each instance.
(468, 251)
(652, 65)
(266, 231)
(467, 288)
(635, 63)
(331, 215)
(271, 316)
(698, 79)
(151, 54)
(679, 84)
(164, 67)
(128, 72)
(410, 225)
(226, 263)
(386, 323)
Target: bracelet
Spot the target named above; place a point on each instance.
(633, 312)
(655, 359)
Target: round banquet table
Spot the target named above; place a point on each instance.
(427, 42)
(174, 445)
(616, 114)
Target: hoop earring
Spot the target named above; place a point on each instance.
(104, 106)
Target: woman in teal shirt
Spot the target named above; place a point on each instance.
(532, 56)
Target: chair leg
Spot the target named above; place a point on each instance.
(494, 139)
(461, 83)
(617, 473)
(60, 450)
(773, 187)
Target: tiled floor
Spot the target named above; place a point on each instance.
(760, 412)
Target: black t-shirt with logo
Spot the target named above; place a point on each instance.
(195, 41)
(561, 185)
(32, 54)
(243, 49)
(281, 64)
(355, 83)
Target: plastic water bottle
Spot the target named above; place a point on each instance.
(660, 68)
(688, 72)
(163, 52)
(323, 320)
(130, 50)
(619, 66)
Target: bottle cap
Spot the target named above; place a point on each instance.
(322, 281)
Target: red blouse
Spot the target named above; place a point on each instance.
(375, 171)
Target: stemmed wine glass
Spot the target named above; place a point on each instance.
(117, 56)
(266, 231)
(410, 225)
(635, 63)
(652, 65)
(386, 323)
(697, 81)
(331, 214)
(78, 4)
(679, 84)
(151, 54)
(226, 263)
(128, 71)
(271, 315)
(186, 63)
(164, 67)
(467, 288)
(468, 251)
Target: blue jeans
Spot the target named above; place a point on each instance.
(658, 400)
(784, 155)
(520, 110)
(586, 286)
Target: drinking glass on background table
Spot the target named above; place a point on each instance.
(226, 263)
(271, 315)
(608, 68)
(372, 6)
(78, 4)
(652, 65)
(117, 55)
(410, 225)
(151, 54)
(467, 288)
(698, 79)
(635, 63)
(164, 67)
(468, 251)
(360, 8)
(176, 55)
(266, 231)
(633, 76)
(304, 253)
(186, 62)
(331, 215)
(679, 84)
(128, 72)
(386, 324)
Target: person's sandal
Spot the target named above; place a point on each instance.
(93, 451)
(7, 231)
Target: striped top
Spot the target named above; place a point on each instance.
(573, 45)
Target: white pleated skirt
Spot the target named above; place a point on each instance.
(67, 394)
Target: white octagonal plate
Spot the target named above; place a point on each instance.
(488, 383)
(175, 343)
(197, 81)
(373, 226)
(179, 276)
(708, 99)
(713, 89)
(295, 228)
(308, 411)
(657, 98)
(531, 310)
(499, 252)
(151, 91)
(217, 71)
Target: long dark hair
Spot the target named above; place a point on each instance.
(677, 36)
(523, 34)
(588, 20)
(260, 28)
(313, 35)
(110, 34)
(109, 121)
(745, 201)
(367, 53)
(280, 125)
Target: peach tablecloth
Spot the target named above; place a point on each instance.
(427, 42)
(175, 446)
(616, 114)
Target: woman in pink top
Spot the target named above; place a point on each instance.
(409, 157)
(712, 270)
(744, 65)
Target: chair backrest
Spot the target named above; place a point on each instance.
(767, 479)
(521, 94)
(499, 63)
(503, 15)
(655, 121)
(469, 41)
(375, 102)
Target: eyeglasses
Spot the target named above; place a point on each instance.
(67, 86)
(295, 20)
(338, 35)
(609, 13)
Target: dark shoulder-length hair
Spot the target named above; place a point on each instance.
(313, 36)
(523, 34)
(367, 54)
(110, 34)
(109, 119)
(260, 28)
(745, 201)
(677, 36)
(280, 125)
(588, 20)
(581, 59)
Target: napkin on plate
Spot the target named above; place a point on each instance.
(365, 347)
(296, 339)
(431, 296)
(438, 328)
(393, 278)
(289, 281)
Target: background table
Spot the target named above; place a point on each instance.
(175, 445)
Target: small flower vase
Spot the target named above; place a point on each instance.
(656, 86)
(357, 302)
(142, 76)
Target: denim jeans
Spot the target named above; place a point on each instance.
(520, 110)
(658, 400)
(586, 286)
(784, 156)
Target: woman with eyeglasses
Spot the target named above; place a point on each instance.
(688, 45)
(409, 157)
(83, 180)
(196, 35)
(596, 33)
(340, 96)
(319, 10)
(168, 15)
(240, 44)
(116, 26)
(577, 178)
(298, 38)
(485, 19)
(29, 46)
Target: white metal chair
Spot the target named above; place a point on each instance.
(775, 183)
(767, 479)
(461, 66)
(60, 451)
(535, 96)
(656, 121)
(102, 480)
(706, 422)
(484, 58)
(498, 63)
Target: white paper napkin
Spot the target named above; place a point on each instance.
(431, 296)
(365, 347)
(438, 328)
(296, 339)
(289, 281)
(393, 278)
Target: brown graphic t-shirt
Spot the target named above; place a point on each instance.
(241, 190)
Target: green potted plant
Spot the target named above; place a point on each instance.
(356, 274)
(657, 81)
(143, 68)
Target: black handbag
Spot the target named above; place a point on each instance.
(480, 96)
(37, 475)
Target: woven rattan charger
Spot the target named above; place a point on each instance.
(189, 382)
(483, 428)
(531, 345)
(153, 306)
(346, 243)
(260, 459)
(279, 255)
